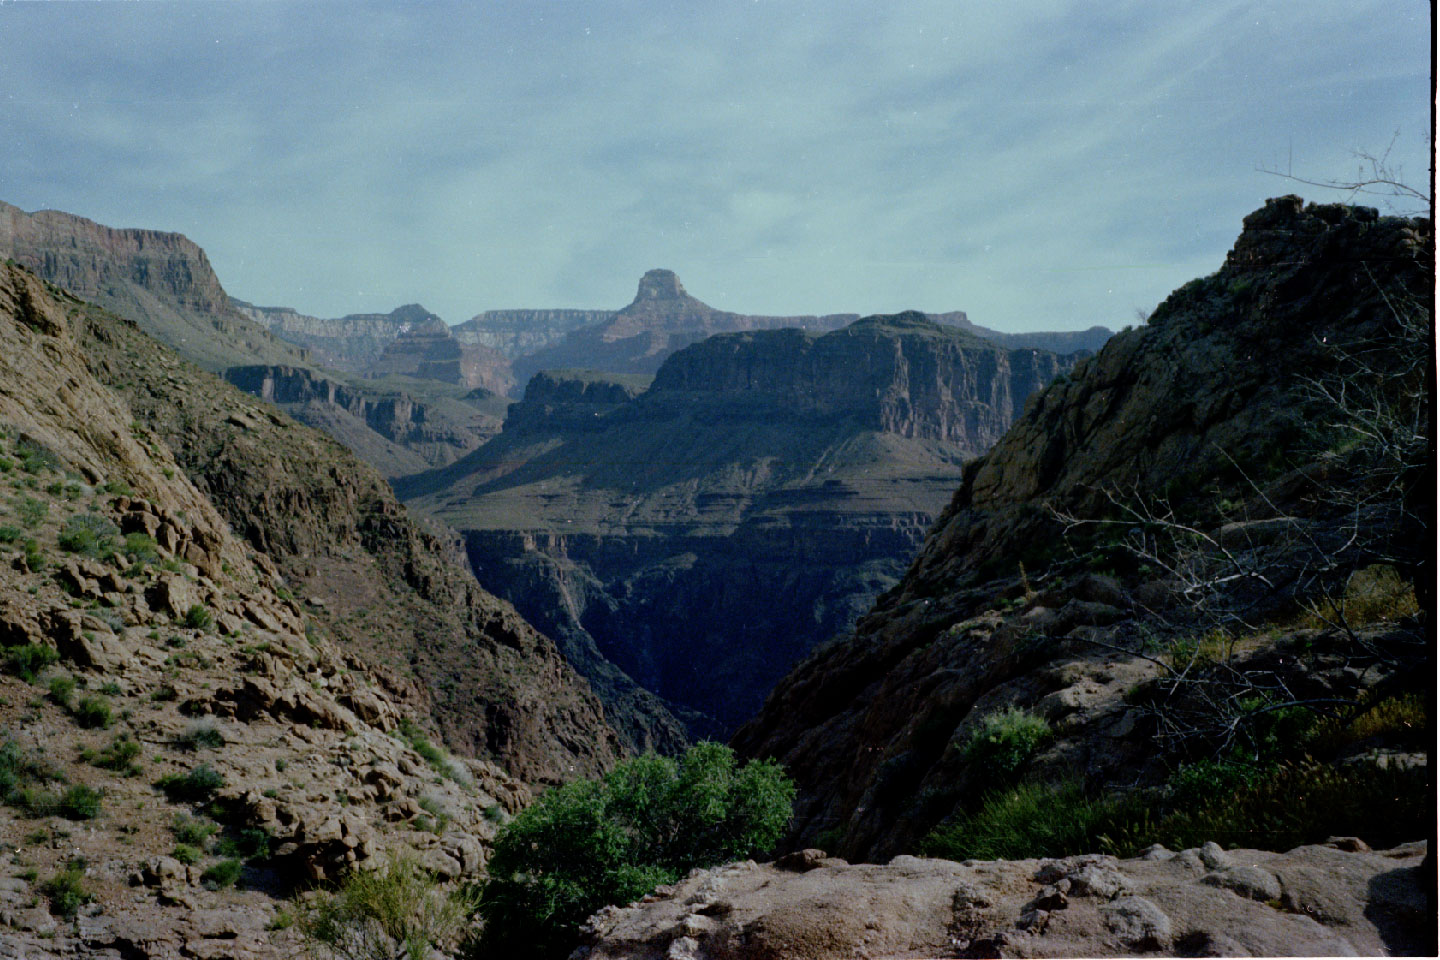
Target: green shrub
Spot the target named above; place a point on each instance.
(221, 875)
(141, 548)
(9, 534)
(80, 803)
(89, 534)
(249, 843)
(192, 830)
(34, 557)
(651, 820)
(94, 712)
(31, 512)
(202, 733)
(119, 756)
(29, 660)
(1004, 741)
(62, 690)
(19, 772)
(198, 618)
(66, 890)
(396, 910)
(197, 786)
(1034, 820)
(186, 854)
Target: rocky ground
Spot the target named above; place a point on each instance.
(1339, 898)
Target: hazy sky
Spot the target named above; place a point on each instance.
(1043, 164)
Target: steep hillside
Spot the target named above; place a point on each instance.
(241, 640)
(705, 533)
(1189, 564)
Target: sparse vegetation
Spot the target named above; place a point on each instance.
(193, 831)
(202, 733)
(89, 534)
(1004, 741)
(94, 712)
(119, 756)
(222, 874)
(395, 910)
(27, 661)
(198, 618)
(67, 891)
(650, 821)
(197, 786)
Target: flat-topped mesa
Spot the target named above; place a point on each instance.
(660, 285)
(901, 374)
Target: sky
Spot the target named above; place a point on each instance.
(1040, 165)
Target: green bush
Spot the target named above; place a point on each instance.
(1034, 820)
(66, 890)
(141, 548)
(197, 786)
(202, 733)
(29, 660)
(1004, 741)
(9, 534)
(396, 910)
(94, 712)
(119, 756)
(80, 803)
(650, 821)
(18, 772)
(31, 512)
(89, 534)
(34, 557)
(186, 854)
(192, 830)
(62, 690)
(198, 618)
(222, 874)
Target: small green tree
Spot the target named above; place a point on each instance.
(592, 843)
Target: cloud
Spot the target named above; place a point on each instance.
(1056, 165)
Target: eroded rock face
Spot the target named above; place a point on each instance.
(1368, 904)
(351, 343)
(514, 333)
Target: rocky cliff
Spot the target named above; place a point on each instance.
(1205, 525)
(162, 281)
(705, 533)
(247, 645)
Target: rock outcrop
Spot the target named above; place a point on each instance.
(1336, 899)
(705, 533)
(1188, 482)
